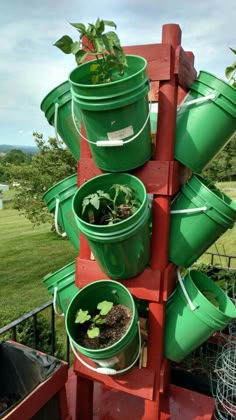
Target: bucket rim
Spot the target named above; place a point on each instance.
(58, 184)
(100, 352)
(100, 228)
(50, 275)
(220, 291)
(104, 85)
(52, 92)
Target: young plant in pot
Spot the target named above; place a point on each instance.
(230, 72)
(102, 324)
(109, 97)
(113, 213)
(101, 208)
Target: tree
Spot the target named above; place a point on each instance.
(16, 157)
(50, 165)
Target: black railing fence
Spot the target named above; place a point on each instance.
(11, 330)
(223, 260)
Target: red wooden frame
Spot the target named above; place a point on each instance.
(171, 71)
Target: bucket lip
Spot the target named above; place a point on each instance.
(50, 275)
(52, 92)
(208, 279)
(224, 85)
(57, 185)
(97, 352)
(123, 222)
(104, 85)
(203, 181)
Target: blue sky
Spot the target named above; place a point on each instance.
(30, 66)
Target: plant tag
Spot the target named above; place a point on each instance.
(121, 134)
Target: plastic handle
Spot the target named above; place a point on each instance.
(197, 210)
(109, 143)
(55, 219)
(197, 101)
(109, 371)
(55, 121)
(55, 302)
(191, 305)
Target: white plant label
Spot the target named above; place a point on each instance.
(121, 134)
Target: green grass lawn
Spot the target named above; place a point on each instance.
(27, 254)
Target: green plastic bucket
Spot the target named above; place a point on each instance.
(115, 116)
(206, 120)
(120, 356)
(59, 201)
(200, 214)
(61, 285)
(57, 108)
(121, 249)
(191, 318)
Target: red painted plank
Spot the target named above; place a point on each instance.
(145, 286)
(184, 67)
(137, 382)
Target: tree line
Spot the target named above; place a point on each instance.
(34, 174)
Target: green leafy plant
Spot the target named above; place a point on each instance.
(230, 71)
(101, 208)
(104, 46)
(82, 317)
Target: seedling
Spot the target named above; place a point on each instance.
(101, 208)
(96, 320)
(230, 72)
(104, 46)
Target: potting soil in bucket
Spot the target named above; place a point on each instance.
(59, 201)
(63, 281)
(121, 249)
(204, 127)
(120, 355)
(115, 115)
(57, 108)
(187, 328)
(200, 214)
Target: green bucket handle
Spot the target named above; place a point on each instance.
(190, 303)
(194, 210)
(55, 219)
(55, 302)
(55, 120)
(109, 371)
(110, 143)
(185, 103)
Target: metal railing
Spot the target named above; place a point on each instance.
(12, 328)
(224, 260)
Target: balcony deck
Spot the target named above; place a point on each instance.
(181, 404)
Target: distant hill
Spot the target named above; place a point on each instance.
(4, 148)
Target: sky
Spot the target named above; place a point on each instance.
(30, 66)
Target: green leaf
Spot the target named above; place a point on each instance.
(94, 67)
(113, 39)
(229, 70)
(75, 47)
(95, 202)
(104, 307)
(99, 45)
(82, 316)
(99, 25)
(234, 51)
(80, 27)
(65, 44)
(109, 23)
(80, 56)
(93, 332)
(120, 55)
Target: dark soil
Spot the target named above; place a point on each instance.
(116, 324)
(6, 401)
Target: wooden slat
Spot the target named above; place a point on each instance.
(137, 382)
(184, 67)
(144, 286)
